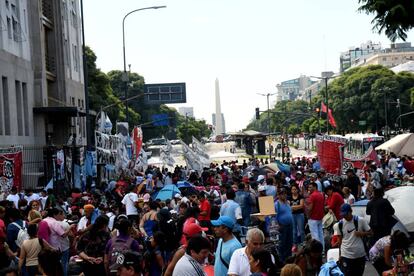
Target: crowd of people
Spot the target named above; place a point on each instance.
(122, 228)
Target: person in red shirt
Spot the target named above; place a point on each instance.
(205, 210)
(408, 164)
(334, 201)
(315, 208)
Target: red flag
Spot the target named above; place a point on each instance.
(331, 118)
(323, 107)
(137, 140)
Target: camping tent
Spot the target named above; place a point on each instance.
(402, 144)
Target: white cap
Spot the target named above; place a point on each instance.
(177, 195)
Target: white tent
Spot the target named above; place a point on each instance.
(402, 144)
(401, 199)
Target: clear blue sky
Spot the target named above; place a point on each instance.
(249, 45)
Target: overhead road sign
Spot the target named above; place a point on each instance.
(165, 93)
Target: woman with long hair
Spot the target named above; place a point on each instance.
(91, 247)
(261, 263)
(34, 215)
(149, 220)
(297, 204)
(385, 248)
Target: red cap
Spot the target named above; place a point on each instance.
(192, 229)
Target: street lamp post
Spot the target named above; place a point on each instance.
(125, 78)
(268, 119)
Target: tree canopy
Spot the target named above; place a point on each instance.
(395, 17)
(358, 98)
(108, 89)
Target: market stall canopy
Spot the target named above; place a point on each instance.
(401, 199)
(402, 144)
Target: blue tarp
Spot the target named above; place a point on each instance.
(184, 184)
(283, 167)
(167, 192)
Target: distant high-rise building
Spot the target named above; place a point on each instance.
(186, 111)
(355, 54)
(293, 89)
(397, 54)
(223, 123)
(218, 123)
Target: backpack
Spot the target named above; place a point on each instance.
(118, 248)
(364, 239)
(330, 269)
(22, 235)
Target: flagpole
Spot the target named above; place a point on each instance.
(327, 105)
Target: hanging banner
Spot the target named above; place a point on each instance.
(137, 137)
(165, 154)
(11, 163)
(200, 149)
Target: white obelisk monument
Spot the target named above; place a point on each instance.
(219, 115)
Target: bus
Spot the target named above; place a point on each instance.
(358, 144)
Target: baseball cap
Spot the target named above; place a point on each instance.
(260, 178)
(177, 195)
(192, 229)
(223, 220)
(127, 259)
(345, 209)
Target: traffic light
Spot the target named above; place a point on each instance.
(257, 113)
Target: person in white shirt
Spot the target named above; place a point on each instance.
(130, 201)
(239, 262)
(43, 199)
(30, 196)
(14, 197)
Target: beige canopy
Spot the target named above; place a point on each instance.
(402, 144)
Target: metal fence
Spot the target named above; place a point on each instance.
(33, 167)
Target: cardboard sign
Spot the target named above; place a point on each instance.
(266, 207)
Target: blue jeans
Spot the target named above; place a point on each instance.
(65, 262)
(285, 241)
(298, 228)
(315, 227)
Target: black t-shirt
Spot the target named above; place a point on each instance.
(381, 212)
(296, 202)
(353, 183)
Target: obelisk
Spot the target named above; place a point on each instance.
(219, 116)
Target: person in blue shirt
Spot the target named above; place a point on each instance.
(232, 209)
(285, 219)
(245, 201)
(227, 244)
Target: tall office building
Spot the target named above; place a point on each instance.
(42, 98)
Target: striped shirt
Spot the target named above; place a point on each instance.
(187, 266)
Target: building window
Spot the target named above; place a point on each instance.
(74, 19)
(75, 57)
(384, 59)
(72, 99)
(25, 109)
(19, 108)
(6, 105)
(9, 28)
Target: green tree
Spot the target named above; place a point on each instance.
(189, 127)
(101, 93)
(395, 17)
(361, 94)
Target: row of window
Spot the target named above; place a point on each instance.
(12, 20)
(7, 119)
